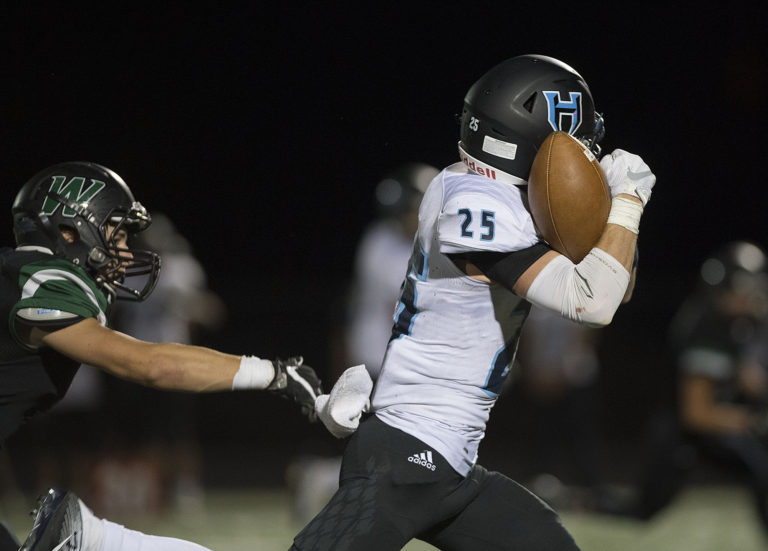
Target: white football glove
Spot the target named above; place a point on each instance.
(628, 173)
(341, 410)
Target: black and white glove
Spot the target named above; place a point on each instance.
(298, 382)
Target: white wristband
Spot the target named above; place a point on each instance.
(253, 373)
(626, 213)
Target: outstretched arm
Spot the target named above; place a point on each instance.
(167, 366)
(182, 367)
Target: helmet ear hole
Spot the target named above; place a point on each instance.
(70, 234)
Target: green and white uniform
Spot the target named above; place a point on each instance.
(39, 290)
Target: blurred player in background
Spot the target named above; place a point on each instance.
(73, 224)
(410, 470)
(182, 309)
(720, 341)
(380, 263)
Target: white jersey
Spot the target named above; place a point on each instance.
(454, 338)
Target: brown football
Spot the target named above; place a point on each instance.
(568, 195)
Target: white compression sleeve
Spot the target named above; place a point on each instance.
(253, 373)
(589, 292)
(119, 537)
(103, 535)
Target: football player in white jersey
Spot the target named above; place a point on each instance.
(73, 223)
(410, 470)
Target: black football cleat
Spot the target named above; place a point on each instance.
(58, 525)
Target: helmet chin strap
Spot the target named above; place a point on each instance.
(98, 260)
(109, 290)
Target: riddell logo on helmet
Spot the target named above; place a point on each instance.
(481, 170)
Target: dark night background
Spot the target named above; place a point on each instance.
(263, 131)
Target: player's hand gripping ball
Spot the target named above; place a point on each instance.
(628, 173)
(568, 195)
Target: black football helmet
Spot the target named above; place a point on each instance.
(732, 285)
(513, 107)
(95, 202)
(741, 266)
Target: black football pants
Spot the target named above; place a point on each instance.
(384, 500)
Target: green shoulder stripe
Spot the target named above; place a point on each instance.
(57, 284)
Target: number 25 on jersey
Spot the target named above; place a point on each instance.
(485, 226)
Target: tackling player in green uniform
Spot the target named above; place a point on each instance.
(73, 223)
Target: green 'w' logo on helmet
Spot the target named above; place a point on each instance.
(73, 191)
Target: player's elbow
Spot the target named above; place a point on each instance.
(588, 293)
(597, 318)
(157, 369)
(598, 311)
(162, 375)
(168, 375)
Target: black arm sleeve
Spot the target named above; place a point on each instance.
(504, 268)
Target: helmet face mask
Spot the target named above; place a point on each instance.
(114, 264)
(512, 108)
(77, 210)
(592, 141)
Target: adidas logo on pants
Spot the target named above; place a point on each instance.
(424, 459)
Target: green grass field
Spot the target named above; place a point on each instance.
(702, 518)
